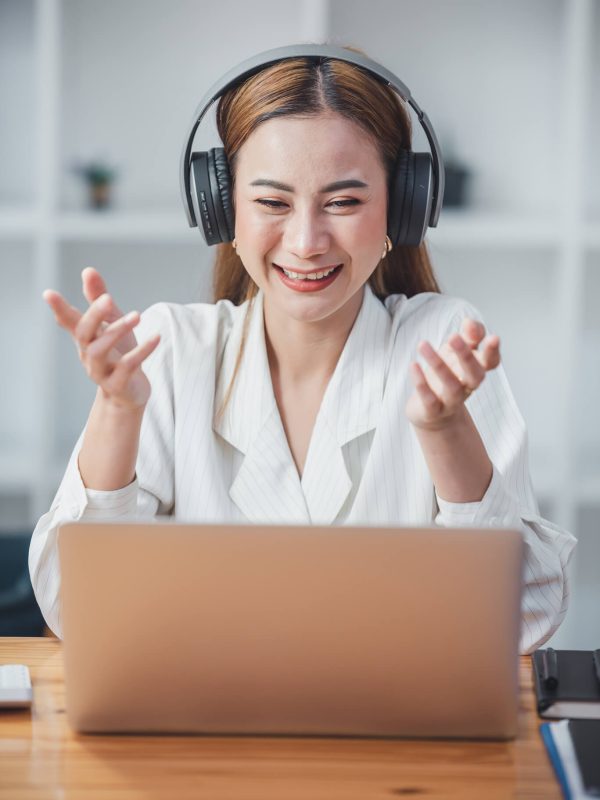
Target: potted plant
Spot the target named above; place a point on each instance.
(99, 177)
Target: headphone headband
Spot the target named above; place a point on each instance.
(259, 62)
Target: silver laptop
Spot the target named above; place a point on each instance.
(242, 629)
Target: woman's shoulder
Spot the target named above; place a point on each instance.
(202, 323)
(429, 309)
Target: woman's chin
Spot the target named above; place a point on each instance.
(308, 307)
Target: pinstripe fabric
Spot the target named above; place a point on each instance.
(364, 463)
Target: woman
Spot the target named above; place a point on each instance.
(296, 397)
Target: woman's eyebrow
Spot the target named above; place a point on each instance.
(351, 183)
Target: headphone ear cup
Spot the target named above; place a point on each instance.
(396, 196)
(419, 211)
(210, 189)
(410, 198)
(221, 190)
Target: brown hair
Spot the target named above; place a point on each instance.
(304, 87)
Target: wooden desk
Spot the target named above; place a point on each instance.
(41, 758)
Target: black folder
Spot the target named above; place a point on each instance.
(567, 683)
(585, 735)
(561, 738)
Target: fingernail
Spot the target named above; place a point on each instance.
(131, 316)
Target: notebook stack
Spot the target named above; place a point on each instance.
(567, 687)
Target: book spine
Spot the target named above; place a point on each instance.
(552, 750)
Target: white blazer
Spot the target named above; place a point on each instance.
(364, 464)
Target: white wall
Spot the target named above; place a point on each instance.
(486, 73)
(135, 71)
(16, 106)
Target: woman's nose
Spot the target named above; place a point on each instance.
(306, 234)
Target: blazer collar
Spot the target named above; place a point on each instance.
(252, 424)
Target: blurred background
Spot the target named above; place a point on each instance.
(95, 99)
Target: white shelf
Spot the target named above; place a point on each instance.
(106, 225)
(532, 244)
(462, 229)
(130, 225)
(18, 223)
(466, 229)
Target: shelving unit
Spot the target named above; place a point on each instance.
(510, 85)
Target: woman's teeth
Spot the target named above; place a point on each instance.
(312, 276)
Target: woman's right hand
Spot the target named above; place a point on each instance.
(106, 343)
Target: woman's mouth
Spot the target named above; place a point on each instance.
(308, 282)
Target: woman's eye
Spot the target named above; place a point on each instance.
(344, 203)
(270, 203)
(277, 204)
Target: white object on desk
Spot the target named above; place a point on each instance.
(15, 686)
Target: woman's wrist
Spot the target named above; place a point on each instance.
(110, 445)
(458, 462)
(448, 428)
(117, 409)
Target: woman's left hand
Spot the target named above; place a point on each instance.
(451, 376)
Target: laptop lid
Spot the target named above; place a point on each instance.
(172, 627)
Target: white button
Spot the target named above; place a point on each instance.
(74, 511)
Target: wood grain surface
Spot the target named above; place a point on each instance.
(40, 757)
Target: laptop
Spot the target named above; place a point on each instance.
(291, 630)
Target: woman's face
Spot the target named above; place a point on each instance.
(310, 196)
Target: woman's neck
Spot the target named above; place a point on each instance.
(306, 352)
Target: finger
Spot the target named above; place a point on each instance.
(490, 358)
(87, 327)
(128, 363)
(94, 287)
(102, 345)
(93, 284)
(428, 397)
(65, 314)
(473, 370)
(452, 389)
(473, 331)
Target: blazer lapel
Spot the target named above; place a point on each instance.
(350, 408)
(267, 486)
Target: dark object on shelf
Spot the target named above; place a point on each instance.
(567, 683)
(457, 185)
(585, 735)
(99, 178)
(19, 612)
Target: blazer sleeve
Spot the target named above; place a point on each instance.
(151, 493)
(509, 501)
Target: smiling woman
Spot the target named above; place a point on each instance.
(312, 148)
(297, 396)
(310, 230)
(328, 93)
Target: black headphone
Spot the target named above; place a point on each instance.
(416, 190)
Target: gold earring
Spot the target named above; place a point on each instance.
(234, 243)
(387, 247)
